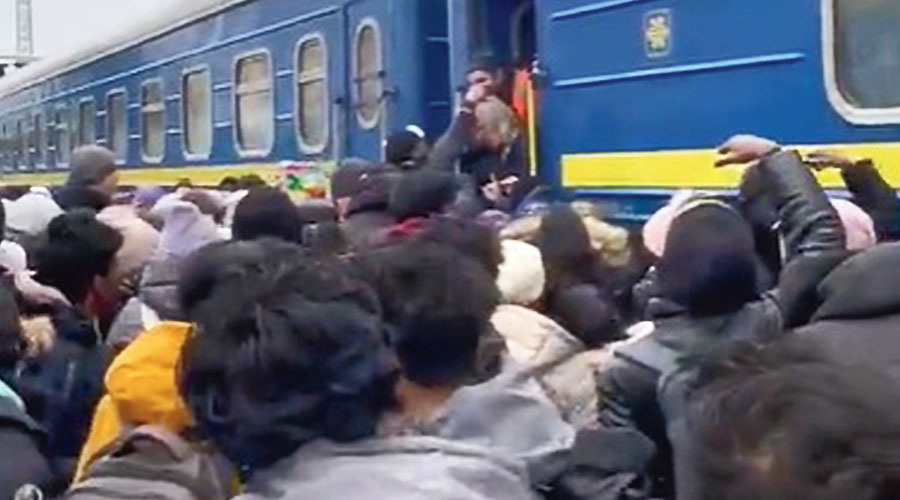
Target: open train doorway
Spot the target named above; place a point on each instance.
(496, 40)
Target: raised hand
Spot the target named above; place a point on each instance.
(742, 149)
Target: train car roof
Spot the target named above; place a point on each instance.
(111, 42)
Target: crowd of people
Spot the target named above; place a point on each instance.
(434, 331)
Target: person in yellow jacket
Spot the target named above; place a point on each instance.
(141, 389)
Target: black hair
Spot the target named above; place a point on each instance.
(483, 62)
(710, 263)
(786, 421)
(472, 239)
(75, 249)
(438, 303)
(12, 342)
(267, 212)
(287, 349)
(400, 149)
(589, 313)
(184, 183)
(423, 193)
(229, 183)
(251, 181)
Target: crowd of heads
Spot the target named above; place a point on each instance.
(411, 300)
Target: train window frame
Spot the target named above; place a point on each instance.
(188, 155)
(5, 150)
(850, 112)
(50, 138)
(37, 147)
(121, 156)
(80, 129)
(306, 148)
(143, 112)
(63, 128)
(367, 22)
(21, 144)
(235, 114)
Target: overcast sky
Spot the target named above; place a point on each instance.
(60, 24)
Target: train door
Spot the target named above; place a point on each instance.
(368, 80)
(319, 93)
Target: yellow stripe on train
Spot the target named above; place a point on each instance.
(199, 175)
(689, 168)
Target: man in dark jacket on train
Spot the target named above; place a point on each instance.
(708, 282)
(484, 143)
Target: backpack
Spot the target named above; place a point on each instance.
(152, 463)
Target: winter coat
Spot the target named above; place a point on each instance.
(874, 195)
(23, 465)
(562, 365)
(30, 215)
(140, 389)
(61, 385)
(157, 299)
(139, 241)
(365, 228)
(859, 319)
(397, 468)
(498, 440)
(73, 197)
(814, 243)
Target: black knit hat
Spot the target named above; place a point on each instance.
(709, 265)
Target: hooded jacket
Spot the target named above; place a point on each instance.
(815, 245)
(397, 468)
(500, 439)
(859, 319)
(61, 384)
(560, 362)
(30, 215)
(23, 466)
(185, 230)
(140, 389)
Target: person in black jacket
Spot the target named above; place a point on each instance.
(708, 285)
(62, 383)
(869, 189)
(484, 142)
(859, 317)
(24, 467)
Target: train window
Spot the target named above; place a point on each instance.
(368, 73)
(312, 94)
(254, 107)
(153, 121)
(37, 144)
(117, 125)
(5, 156)
(63, 137)
(196, 110)
(86, 122)
(50, 134)
(863, 59)
(21, 145)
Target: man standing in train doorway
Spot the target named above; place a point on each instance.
(485, 144)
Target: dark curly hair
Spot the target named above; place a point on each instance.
(287, 348)
(75, 249)
(438, 302)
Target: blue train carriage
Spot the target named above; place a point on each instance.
(636, 93)
(227, 87)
